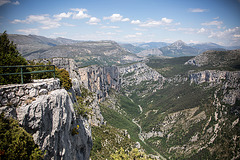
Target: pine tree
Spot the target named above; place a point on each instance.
(9, 56)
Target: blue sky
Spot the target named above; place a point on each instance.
(193, 21)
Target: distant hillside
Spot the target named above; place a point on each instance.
(150, 52)
(132, 48)
(28, 44)
(202, 47)
(229, 58)
(178, 49)
(152, 45)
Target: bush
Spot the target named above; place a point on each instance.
(65, 80)
(82, 107)
(10, 56)
(15, 142)
(134, 154)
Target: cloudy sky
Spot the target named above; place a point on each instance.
(193, 21)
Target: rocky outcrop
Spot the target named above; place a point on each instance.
(147, 135)
(68, 64)
(209, 76)
(137, 73)
(51, 119)
(100, 79)
(229, 81)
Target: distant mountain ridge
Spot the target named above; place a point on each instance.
(35, 47)
(104, 52)
(176, 49)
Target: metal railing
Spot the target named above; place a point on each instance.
(25, 66)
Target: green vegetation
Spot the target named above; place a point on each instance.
(15, 142)
(106, 140)
(75, 130)
(171, 66)
(121, 121)
(82, 107)
(134, 154)
(128, 106)
(65, 80)
(40, 75)
(118, 120)
(10, 56)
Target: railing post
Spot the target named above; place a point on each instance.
(54, 71)
(21, 75)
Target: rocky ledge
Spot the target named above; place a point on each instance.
(49, 116)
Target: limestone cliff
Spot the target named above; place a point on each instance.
(48, 114)
(100, 79)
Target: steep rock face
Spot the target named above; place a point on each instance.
(68, 64)
(79, 79)
(137, 73)
(50, 118)
(229, 80)
(100, 79)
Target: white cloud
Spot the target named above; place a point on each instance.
(116, 17)
(3, 2)
(131, 36)
(167, 21)
(80, 14)
(45, 20)
(153, 23)
(216, 18)
(69, 25)
(63, 15)
(135, 21)
(29, 31)
(134, 35)
(212, 23)
(93, 21)
(139, 34)
(202, 30)
(125, 19)
(192, 41)
(236, 35)
(197, 10)
(229, 36)
(112, 27)
(140, 29)
(16, 3)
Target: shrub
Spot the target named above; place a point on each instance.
(65, 80)
(75, 130)
(82, 107)
(15, 142)
(133, 154)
